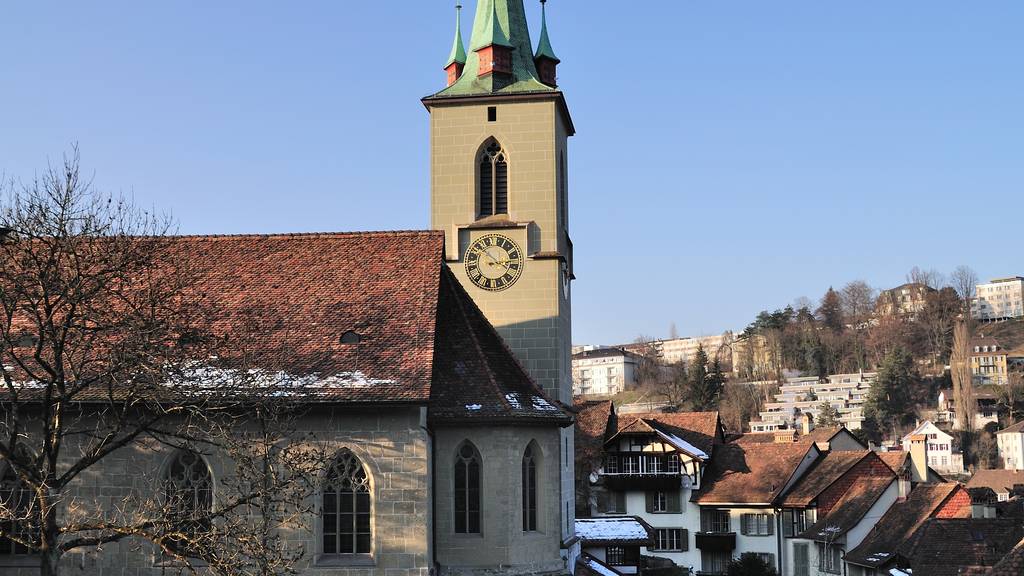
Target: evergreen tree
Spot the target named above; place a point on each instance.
(831, 311)
(828, 416)
(888, 400)
(750, 565)
(704, 388)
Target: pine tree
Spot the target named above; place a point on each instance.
(704, 388)
(828, 416)
(889, 398)
(831, 311)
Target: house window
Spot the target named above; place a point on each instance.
(830, 559)
(622, 555)
(715, 521)
(529, 489)
(714, 561)
(16, 499)
(467, 490)
(611, 464)
(654, 464)
(671, 540)
(631, 464)
(801, 560)
(672, 464)
(611, 502)
(757, 524)
(493, 180)
(346, 512)
(188, 498)
(664, 502)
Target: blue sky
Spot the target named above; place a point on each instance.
(730, 156)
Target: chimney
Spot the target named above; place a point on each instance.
(806, 423)
(785, 436)
(918, 458)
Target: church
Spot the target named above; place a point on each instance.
(445, 353)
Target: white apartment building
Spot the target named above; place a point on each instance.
(603, 372)
(1011, 446)
(844, 392)
(938, 449)
(1000, 299)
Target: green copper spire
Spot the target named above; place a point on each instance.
(502, 23)
(544, 48)
(491, 34)
(458, 54)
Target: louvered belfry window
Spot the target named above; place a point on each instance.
(493, 190)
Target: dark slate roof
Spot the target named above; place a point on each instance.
(702, 429)
(286, 300)
(882, 544)
(1014, 428)
(1012, 564)
(849, 510)
(1001, 481)
(750, 473)
(823, 474)
(948, 546)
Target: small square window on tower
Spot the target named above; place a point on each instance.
(492, 113)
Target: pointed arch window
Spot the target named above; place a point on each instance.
(188, 498)
(467, 490)
(346, 507)
(530, 458)
(16, 499)
(493, 185)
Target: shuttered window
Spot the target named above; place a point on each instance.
(671, 539)
(664, 502)
(493, 185)
(801, 560)
(757, 524)
(611, 502)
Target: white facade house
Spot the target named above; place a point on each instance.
(1011, 446)
(603, 372)
(844, 392)
(1000, 299)
(938, 449)
(987, 409)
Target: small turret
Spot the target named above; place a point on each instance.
(493, 47)
(457, 59)
(545, 59)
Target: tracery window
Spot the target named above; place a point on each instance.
(493, 185)
(188, 498)
(530, 489)
(16, 499)
(346, 507)
(467, 490)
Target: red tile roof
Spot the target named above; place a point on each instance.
(593, 420)
(826, 471)
(850, 509)
(949, 546)
(751, 473)
(283, 303)
(1001, 481)
(882, 545)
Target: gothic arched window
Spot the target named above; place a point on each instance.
(530, 458)
(16, 500)
(493, 186)
(467, 490)
(346, 507)
(188, 497)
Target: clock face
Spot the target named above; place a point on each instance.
(494, 262)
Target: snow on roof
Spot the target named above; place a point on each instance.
(611, 529)
(198, 378)
(596, 566)
(682, 445)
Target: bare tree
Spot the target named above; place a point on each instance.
(858, 301)
(931, 277)
(963, 387)
(965, 281)
(99, 331)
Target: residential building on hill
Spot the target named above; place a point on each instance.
(605, 371)
(844, 392)
(939, 448)
(1010, 441)
(675, 350)
(988, 361)
(987, 411)
(906, 300)
(1000, 299)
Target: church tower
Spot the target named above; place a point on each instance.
(499, 190)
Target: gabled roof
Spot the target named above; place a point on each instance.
(828, 469)
(1001, 481)
(751, 473)
(882, 545)
(619, 530)
(588, 565)
(949, 546)
(1013, 429)
(924, 426)
(849, 510)
(701, 429)
(284, 303)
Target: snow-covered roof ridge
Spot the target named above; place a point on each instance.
(626, 529)
(681, 444)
